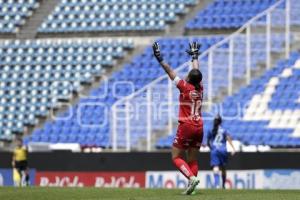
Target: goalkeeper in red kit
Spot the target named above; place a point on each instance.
(190, 128)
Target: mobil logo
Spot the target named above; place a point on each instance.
(241, 179)
(165, 179)
(236, 179)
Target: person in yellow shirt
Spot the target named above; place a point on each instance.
(19, 161)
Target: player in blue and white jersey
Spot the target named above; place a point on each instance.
(216, 140)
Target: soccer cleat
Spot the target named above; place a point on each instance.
(194, 181)
(193, 193)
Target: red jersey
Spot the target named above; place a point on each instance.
(190, 102)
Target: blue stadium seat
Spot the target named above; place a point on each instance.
(223, 14)
(124, 15)
(14, 13)
(36, 75)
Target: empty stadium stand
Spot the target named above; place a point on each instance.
(88, 122)
(103, 15)
(143, 69)
(228, 14)
(35, 75)
(14, 13)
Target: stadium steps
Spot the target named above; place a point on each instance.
(29, 30)
(210, 31)
(115, 34)
(4, 36)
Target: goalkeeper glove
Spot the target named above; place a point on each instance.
(156, 52)
(194, 50)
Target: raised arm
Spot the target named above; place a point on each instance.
(159, 58)
(193, 51)
(195, 64)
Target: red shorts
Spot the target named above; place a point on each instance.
(188, 136)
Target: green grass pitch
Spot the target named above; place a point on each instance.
(38, 193)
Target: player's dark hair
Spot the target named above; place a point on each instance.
(195, 78)
(217, 123)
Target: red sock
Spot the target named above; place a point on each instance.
(194, 167)
(183, 167)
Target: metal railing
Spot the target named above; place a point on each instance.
(138, 119)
